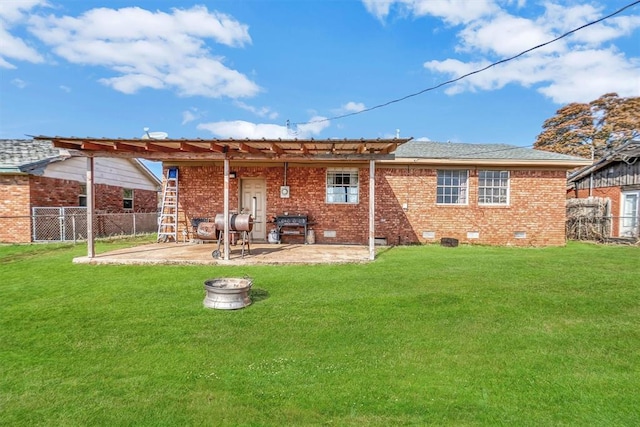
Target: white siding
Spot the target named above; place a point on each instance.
(110, 171)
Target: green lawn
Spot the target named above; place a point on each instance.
(423, 335)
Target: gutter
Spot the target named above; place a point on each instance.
(11, 170)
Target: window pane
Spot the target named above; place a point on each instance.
(452, 187)
(342, 186)
(493, 187)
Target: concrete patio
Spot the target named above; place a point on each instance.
(260, 253)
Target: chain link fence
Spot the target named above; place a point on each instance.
(70, 224)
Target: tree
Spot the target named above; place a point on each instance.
(591, 130)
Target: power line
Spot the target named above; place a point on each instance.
(448, 82)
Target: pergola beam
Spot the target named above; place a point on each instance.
(246, 148)
(276, 148)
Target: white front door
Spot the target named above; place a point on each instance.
(630, 212)
(253, 197)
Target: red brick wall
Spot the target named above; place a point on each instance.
(60, 192)
(15, 212)
(53, 192)
(110, 199)
(22, 192)
(536, 207)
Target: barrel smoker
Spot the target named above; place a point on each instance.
(238, 223)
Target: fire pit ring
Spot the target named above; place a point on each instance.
(227, 293)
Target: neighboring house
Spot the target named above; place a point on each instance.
(477, 193)
(615, 177)
(35, 174)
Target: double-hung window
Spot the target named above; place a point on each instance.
(453, 186)
(127, 198)
(493, 187)
(342, 185)
(82, 197)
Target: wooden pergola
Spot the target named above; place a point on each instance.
(225, 150)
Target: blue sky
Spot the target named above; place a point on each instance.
(242, 69)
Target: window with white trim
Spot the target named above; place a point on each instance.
(493, 187)
(452, 187)
(342, 185)
(127, 198)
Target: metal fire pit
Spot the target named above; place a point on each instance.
(227, 293)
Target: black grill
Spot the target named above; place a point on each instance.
(292, 225)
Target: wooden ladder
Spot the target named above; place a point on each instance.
(168, 221)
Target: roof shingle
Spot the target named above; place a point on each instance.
(22, 155)
(458, 151)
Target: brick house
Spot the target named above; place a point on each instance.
(353, 191)
(477, 193)
(615, 177)
(35, 174)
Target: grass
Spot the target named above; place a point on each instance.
(423, 335)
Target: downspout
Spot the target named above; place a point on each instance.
(286, 166)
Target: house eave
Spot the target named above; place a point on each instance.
(145, 171)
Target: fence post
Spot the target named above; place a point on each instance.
(134, 223)
(34, 231)
(579, 228)
(73, 224)
(61, 222)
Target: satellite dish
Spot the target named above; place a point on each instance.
(155, 135)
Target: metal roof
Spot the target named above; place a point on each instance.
(251, 149)
(627, 152)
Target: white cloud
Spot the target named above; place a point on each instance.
(580, 67)
(352, 107)
(563, 18)
(609, 31)
(378, 8)
(239, 129)
(451, 11)
(13, 11)
(313, 127)
(19, 83)
(64, 88)
(190, 115)
(578, 76)
(13, 47)
(258, 111)
(504, 35)
(583, 76)
(154, 50)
